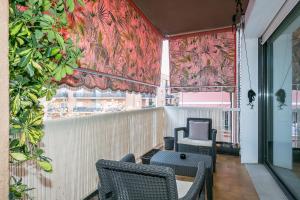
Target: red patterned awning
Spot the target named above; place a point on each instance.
(203, 61)
(91, 80)
(122, 50)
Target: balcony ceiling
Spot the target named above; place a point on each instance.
(172, 17)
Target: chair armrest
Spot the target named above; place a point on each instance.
(176, 130)
(214, 147)
(128, 158)
(213, 135)
(180, 129)
(198, 184)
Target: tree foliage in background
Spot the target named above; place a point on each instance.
(39, 54)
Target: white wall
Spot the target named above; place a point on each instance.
(260, 16)
(4, 173)
(249, 117)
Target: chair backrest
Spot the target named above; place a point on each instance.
(199, 128)
(129, 181)
(128, 158)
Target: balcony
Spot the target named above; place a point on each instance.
(121, 41)
(77, 143)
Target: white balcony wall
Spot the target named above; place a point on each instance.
(177, 116)
(76, 144)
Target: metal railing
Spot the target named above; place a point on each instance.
(99, 94)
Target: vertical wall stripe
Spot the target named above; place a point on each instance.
(4, 100)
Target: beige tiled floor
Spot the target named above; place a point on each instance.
(231, 180)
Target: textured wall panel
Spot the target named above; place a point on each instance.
(176, 117)
(76, 144)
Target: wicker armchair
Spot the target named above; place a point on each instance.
(204, 144)
(125, 180)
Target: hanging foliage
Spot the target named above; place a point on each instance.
(38, 55)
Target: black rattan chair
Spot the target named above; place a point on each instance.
(183, 143)
(125, 180)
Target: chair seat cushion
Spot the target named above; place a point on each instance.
(188, 141)
(183, 187)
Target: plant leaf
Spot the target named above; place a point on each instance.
(22, 139)
(36, 66)
(25, 52)
(46, 4)
(33, 97)
(51, 35)
(54, 51)
(16, 104)
(69, 70)
(70, 5)
(38, 34)
(18, 156)
(30, 70)
(46, 166)
(81, 2)
(60, 40)
(25, 60)
(16, 28)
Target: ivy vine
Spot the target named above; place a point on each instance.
(39, 56)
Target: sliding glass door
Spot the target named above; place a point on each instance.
(282, 106)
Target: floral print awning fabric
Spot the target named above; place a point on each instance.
(116, 40)
(91, 81)
(203, 61)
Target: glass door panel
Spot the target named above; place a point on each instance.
(283, 118)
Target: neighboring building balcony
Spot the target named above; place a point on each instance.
(61, 95)
(99, 95)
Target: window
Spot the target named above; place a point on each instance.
(281, 103)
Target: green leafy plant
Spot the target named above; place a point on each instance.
(17, 189)
(39, 56)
